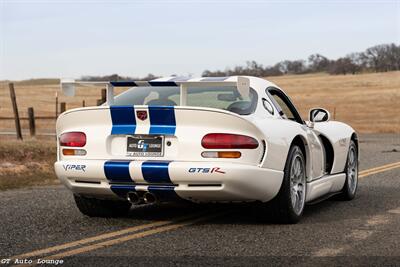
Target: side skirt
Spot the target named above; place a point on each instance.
(326, 185)
(322, 198)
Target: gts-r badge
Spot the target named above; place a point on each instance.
(206, 170)
(70, 167)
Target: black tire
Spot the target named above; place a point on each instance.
(93, 207)
(281, 207)
(351, 183)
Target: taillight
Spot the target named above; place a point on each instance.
(73, 139)
(228, 141)
(73, 152)
(221, 154)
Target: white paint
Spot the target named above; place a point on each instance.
(142, 126)
(325, 185)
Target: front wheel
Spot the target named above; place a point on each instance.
(288, 205)
(351, 183)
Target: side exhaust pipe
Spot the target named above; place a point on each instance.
(149, 198)
(134, 198)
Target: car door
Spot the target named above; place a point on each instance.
(288, 111)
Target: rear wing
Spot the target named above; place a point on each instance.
(68, 86)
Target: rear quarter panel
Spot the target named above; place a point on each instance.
(279, 135)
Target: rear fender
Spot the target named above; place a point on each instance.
(279, 135)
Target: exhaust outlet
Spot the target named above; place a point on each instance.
(133, 197)
(149, 198)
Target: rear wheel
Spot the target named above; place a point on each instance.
(101, 208)
(350, 185)
(288, 205)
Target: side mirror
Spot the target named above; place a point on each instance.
(319, 115)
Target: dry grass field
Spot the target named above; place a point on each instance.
(368, 102)
(41, 95)
(26, 163)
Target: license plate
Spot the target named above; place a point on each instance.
(145, 146)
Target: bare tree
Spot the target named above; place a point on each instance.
(383, 57)
(318, 63)
(343, 65)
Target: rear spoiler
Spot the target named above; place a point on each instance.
(242, 84)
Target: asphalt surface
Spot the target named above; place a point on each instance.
(363, 232)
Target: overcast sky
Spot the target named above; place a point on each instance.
(73, 38)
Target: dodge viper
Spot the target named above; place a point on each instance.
(215, 139)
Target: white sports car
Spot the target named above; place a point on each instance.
(231, 139)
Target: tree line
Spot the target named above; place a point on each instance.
(116, 77)
(379, 58)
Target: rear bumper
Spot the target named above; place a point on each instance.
(194, 181)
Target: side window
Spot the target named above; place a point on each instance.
(287, 109)
(287, 113)
(268, 106)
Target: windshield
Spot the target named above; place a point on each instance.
(226, 98)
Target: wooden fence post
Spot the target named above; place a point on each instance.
(103, 95)
(56, 105)
(15, 109)
(334, 113)
(63, 107)
(31, 117)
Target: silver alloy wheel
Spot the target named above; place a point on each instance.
(352, 170)
(297, 184)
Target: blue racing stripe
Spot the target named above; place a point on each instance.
(162, 83)
(117, 171)
(156, 172)
(163, 193)
(123, 119)
(162, 120)
(122, 190)
(123, 84)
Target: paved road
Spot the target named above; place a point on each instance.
(365, 231)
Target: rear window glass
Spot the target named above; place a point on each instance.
(226, 98)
